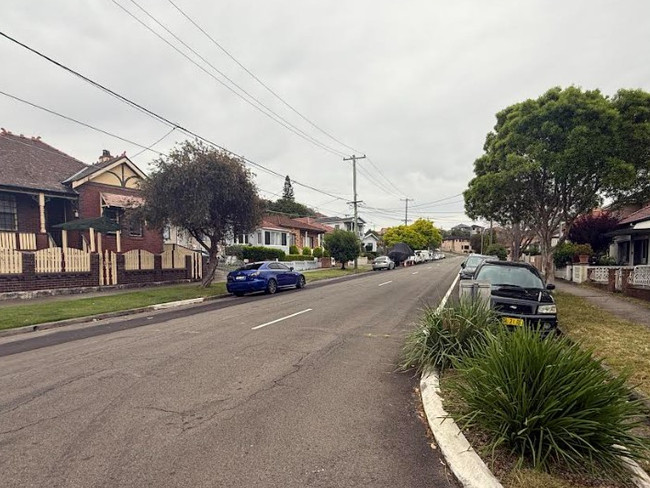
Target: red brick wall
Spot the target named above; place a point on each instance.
(28, 213)
(90, 206)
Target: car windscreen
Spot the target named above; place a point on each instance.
(509, 275)
(473, 261)
(248, 267)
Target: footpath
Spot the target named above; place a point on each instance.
(619, 306)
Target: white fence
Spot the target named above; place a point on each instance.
(27, 240)
(173, 257)
(138, 259)
(302, 265)
(51, 260)
(639, 275)
(11, 262)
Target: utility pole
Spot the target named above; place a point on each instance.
(354, 158)
(406, 209)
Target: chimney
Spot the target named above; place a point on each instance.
(106, 155)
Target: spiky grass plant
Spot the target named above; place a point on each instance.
(447, 335)
(549, 401)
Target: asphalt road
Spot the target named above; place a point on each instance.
(227, 394)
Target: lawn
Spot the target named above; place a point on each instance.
(624, 345)
(61, 309)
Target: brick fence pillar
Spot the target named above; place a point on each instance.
(611, 280)
(42, 241)
(94, 268)
(157, 267)
(121, 270)
(29, 267)
(625, 279)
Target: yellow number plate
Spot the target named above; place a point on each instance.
(513, 321)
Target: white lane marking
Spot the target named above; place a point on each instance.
(385, 283)
(430, 267)
(443, 302)
(415, 272)
(281, 319)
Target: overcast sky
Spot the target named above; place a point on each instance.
(412, 84)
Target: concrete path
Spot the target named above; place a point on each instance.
(614, 304)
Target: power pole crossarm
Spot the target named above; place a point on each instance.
(354, 158)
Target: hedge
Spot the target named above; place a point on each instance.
(259, 253)
(296, 257)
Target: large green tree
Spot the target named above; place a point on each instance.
(205, 191)
(421, 234)
(343, 246)
(548, 161)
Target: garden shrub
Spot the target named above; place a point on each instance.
(583, 249)
(446, 335)
(295, 257)
(550, 402)
(318, 252)
(563, 254)
(306, 251)
(606, 261)
(293, 249)
(260, 253)
(497, 250)
(236, 250)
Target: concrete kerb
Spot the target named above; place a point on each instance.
(467, 466)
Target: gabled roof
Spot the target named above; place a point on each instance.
(340, 219)
(372, 233)
(97, 169)
(313, 222)
(29, 163)
(639, 215)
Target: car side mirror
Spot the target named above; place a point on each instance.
(290, 268)
(462, 265)
(550, 286)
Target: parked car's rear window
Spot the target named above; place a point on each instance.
(509, 275)
(474, 261)
(247, 267)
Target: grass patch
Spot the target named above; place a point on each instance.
(38, 313)
(323, 274)
(624, 345)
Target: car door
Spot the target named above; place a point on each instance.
(285, 276)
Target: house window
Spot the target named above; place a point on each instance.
(167, 233)
(337, 226)
(113, 213)
(8, 214)
(267, 238)
(135, 228)
(284, 238)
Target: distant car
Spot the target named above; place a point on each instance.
(422, 256)
(266, 276)
(519, 295)
(470, 264)
(383, 262)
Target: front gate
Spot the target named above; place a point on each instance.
(107, 268)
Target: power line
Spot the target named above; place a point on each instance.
(153, 144)
(160, 118)
(257, 104)
(269, 89)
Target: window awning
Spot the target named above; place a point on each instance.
(100, 224)
(122, 201)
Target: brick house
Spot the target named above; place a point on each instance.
(41, 187)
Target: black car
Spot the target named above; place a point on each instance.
(470, 264)
(519, 295)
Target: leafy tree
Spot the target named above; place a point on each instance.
(342, 246)
(548, 161)
(591, 229)
(287, 191)
(421, 234)
(290, 207)
(207, 192)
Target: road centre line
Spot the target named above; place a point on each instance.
(281, 319)
(415, 272)
(385, 283)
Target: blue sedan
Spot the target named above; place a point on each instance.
(267, 276)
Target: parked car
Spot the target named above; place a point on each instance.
(422, 256)
(470, 264)
(519, 295)
(267, 276)
(383, 262)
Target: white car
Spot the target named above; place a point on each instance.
(383, 262)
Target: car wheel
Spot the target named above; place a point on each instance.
(271, 287)
(239, 293)
(301, 282)
(391, 266)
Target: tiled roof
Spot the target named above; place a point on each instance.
(340, 219)
(642, 214)
(27, 162)
(313, 222)
(289, 223)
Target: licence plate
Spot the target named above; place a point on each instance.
(240, 278)
(513, 321)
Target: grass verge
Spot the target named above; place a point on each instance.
(624, 345)
(61, 309)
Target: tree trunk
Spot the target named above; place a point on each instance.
(547, 260)
(342, 264)
(212, 270)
